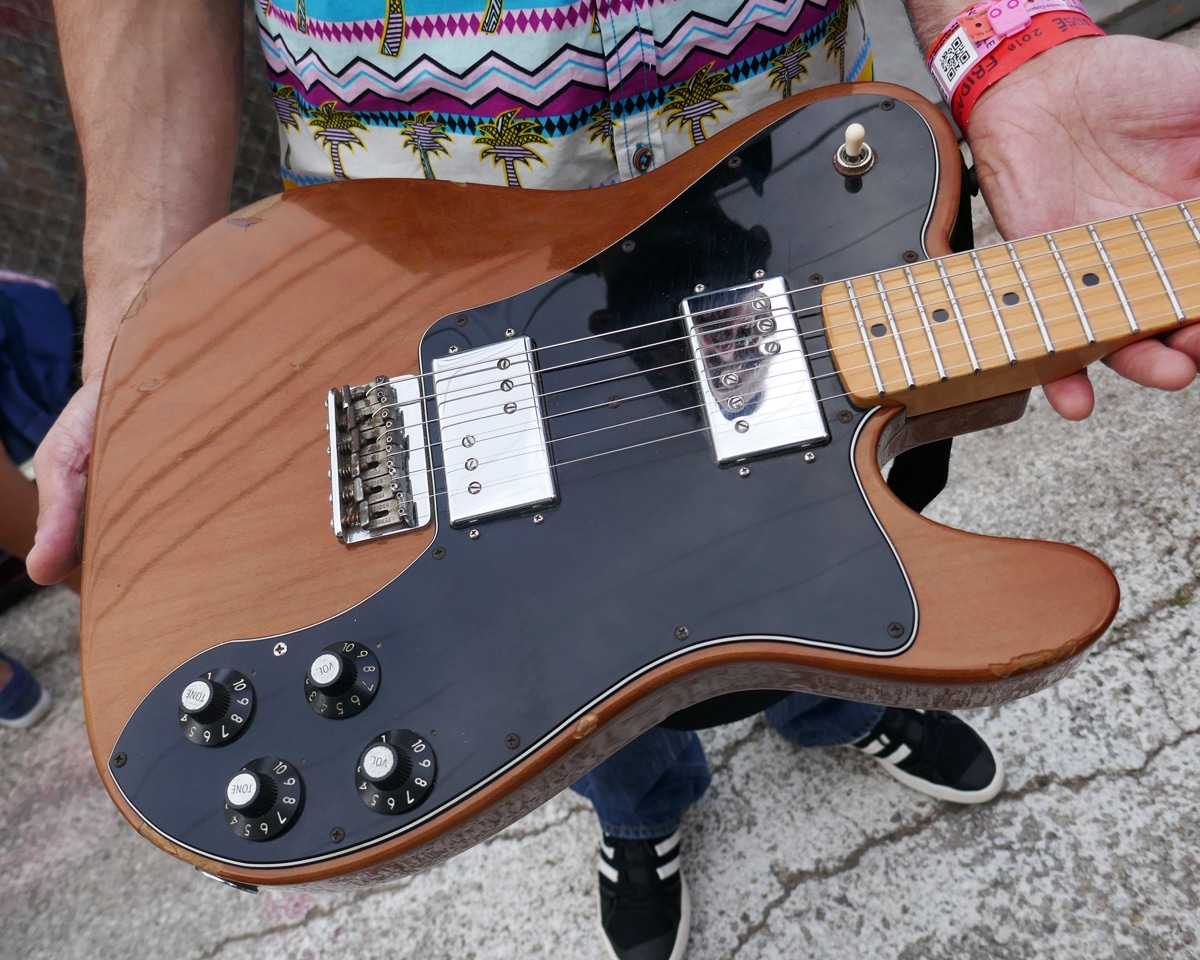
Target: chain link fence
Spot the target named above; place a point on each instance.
(41, 187)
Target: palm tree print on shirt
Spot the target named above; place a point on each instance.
(335, 129)
(696, 101)
(838, 32)
(601, 128)
(287, 107)
(392, 37)
(788, 66)
(423, 137)
(506, 139)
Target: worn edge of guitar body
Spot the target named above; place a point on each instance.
(149, 590)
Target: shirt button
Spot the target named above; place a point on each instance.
(642, 159)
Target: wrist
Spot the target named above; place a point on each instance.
(991, 39)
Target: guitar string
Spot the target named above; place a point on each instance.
(969, 272)
(816, 379)
(700, 429)
(1017, 329)
(869, 319)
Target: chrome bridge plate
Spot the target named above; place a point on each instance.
(379, 459)
(755, 382)
(494, 446)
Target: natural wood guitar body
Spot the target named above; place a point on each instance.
(208, 514)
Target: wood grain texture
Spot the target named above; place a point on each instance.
(208, 514)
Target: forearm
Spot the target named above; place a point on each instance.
(928, 17)
(155, 91)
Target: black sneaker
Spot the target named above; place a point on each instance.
(936, 753)
(644, 909)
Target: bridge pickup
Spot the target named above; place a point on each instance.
(379, 459)
(494, 445)
(755, 382)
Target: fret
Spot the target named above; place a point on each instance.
(958, 317)
(1022, 311)
(866, 340)
(1112, 275)
(1158, 267)
(891, 318)
(1032, 301)
(933, 346)
(987, 289)
(1066, 274)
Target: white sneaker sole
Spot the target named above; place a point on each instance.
(949, 793)
(40, 709)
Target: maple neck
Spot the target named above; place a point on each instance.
(992, 321)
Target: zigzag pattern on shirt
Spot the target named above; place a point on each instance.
(430, 85)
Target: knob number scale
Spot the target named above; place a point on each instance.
(216, 708)
(395, 772)
(342, 680)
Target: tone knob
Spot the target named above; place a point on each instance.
(263, 799)
(342, 680)
(216, 707)
(395, 772)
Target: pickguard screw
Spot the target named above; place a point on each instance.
(628, 246)
(452, 350)
(538, 518)
(614, 402)
(815, 278)
(120, 760)
(895, 630)
(337, 835)
(845, 416)
(510, 333)
(439, 553)
(810, 457)
(512, 741)
(279, 649)
(887, 105)
(734, 162)
(474, 534)
(682, 633)
(698, 288)
(911, 256)
(460, 321)
(743, 471)
(759, 273)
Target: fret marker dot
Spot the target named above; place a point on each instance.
(1011, 299)
(878, 330)
(941, 316)
(1090, 279)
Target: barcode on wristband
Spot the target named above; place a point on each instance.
(953, 58)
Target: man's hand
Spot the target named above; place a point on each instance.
(61, 466)
(1095, 128)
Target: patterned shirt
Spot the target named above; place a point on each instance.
(522, 93)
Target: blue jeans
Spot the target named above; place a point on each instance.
(642, 790)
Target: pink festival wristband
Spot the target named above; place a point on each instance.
(989, 40)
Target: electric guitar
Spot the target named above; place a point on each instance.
(413, 501)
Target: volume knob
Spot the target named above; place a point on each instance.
(342, 680)
(216, 707)
(396, 771)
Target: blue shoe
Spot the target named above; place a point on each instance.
(23, 701)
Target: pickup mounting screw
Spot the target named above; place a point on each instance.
(743, 471)
(810, 457)
(759, 273)
(699, 288)
(510, 333)
(452, 349)
(474, 534)
(538, 518)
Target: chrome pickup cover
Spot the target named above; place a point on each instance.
(494, 444)
(754, 377)
(379, 459)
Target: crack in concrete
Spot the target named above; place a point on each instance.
(791, 880)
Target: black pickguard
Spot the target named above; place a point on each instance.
(516, 631)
